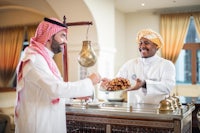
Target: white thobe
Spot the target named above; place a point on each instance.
(38, 87)
(158, 73)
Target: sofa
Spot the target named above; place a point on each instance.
(7, 102)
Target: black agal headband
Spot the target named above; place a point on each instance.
(55, 22)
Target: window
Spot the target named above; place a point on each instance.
(188, 62)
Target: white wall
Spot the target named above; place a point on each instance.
(120, 40)
(126, 29)
(134, 23)
(103, 12)
(187, 90)
(76, 11)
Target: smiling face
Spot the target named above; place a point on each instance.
(147, 48)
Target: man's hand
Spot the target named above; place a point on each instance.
(139, 84)
(95, 78)
(104, 82)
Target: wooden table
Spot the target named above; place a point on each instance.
(121, 118)
(196, 101)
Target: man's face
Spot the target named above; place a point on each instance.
(58, 40)
(147, 48)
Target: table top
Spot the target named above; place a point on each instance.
(138, 110)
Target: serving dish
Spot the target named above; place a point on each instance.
(114, 96)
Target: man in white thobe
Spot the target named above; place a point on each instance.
(153, 77)
(41, 91)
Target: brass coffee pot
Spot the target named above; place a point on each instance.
(87, 56)
(178, 103)
(166, 105)
(170, 104)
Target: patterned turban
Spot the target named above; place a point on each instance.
(150, 35)
(47, 29)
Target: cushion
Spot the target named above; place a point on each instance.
(7, 99)
(7, 110)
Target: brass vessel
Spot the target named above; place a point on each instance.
(170, 104)
(173, 101)
(87, 56)
(177, 101)
(166, 106)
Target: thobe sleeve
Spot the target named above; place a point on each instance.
(166, 83)
(55, 87)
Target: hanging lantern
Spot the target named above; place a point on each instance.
(87, 56)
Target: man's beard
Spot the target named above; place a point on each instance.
(55, 46)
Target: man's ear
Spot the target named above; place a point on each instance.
(157, 47)
(48, 43)
(49, 40)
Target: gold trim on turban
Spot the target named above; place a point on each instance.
(150, 35)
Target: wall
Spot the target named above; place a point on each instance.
(120, 40)
(134, 23)
(102, 33)
(103, 12)
(187, 90)
(127, 26)
(76, 11)
(112, 34)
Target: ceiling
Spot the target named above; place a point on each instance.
(32, 13)
(125, 6)
(128, 6)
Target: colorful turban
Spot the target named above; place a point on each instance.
(150, 35)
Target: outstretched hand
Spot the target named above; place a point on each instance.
(104, 82)
(139, 83)
(95, 78)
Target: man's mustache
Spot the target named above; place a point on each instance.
(140, 49)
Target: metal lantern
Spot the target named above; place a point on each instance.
(87, 56)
